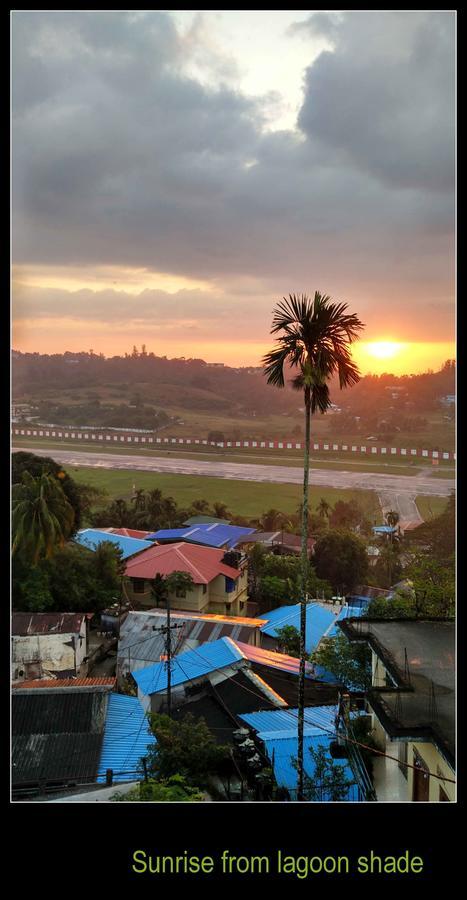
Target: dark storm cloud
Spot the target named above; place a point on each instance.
(121, 159)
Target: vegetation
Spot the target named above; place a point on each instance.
(276, 580)
(329, 781)
(340, 557)
(73, 579)
(185, 747)
(349, 663)
(174, 790)
(38, 465)
(288, 640)
(42, 518)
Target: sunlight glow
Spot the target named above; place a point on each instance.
(384, 349)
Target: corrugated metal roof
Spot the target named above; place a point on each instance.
(65, 682)
(345, 613)
(46, 623)
(189, 665)
(278, 731)
(212, 534)
(274, 660)
(126, 738)
(91, 538)
(139, 645)
(202, 563)
(318, 720)
(318, 621)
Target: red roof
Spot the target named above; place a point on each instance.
(202, 563)
(65, 682)
(127, 532)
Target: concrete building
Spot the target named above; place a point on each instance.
(48, 645)
(219, 578)
(412, 703)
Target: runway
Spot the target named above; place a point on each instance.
(404, 486)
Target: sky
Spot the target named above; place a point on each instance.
(175, 174)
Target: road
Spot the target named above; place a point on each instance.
(404, 504)
(404, 487)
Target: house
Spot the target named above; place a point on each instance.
(57, 735)
(219, 578)
(194, 672)
(139, 644)
(91, 538)
(280, 542)
(412, 703)
(126, 532)
(49, 645)
(281, 672)
(125, 740)
(276, 730)
(319, 620)
(208, 534)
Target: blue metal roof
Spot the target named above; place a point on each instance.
(318, 621)
(91, 538)
(189, 665)
(346, 612)
(126, 738)
(318, 719)
(209, 534)
(277, 729)
(384, 529)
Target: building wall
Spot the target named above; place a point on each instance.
(37, 654)
(435, 763)
(215, 599)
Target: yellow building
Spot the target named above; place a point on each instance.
(412, 704)
(219, 579)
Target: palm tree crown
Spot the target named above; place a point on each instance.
(315, 339)
(42, 517)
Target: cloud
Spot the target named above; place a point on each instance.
(124, 157)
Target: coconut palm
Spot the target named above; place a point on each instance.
(42, 518)
(314, 339)
(324, 508)
(139, 499)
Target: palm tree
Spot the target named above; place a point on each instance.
(42, 518)
(139, 499)
(324, 508)
(314, 339)
(220, 511)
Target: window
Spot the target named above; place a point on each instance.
(138, 585)
(229, 585)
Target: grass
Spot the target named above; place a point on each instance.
(430, 507)
(243, 498)
(235, 455)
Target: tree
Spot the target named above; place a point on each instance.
(22, 461)
(42, 518)
(170, 790)
(139, 499)
(159, 590)
(273, 520)
(349, 663)
(341, 558)
(179, 583)
(392, 518)
(329, 781)
(221, 511)
(272, 592)
(324, 508)
(315, 336)
(288, 640)
(185, 747)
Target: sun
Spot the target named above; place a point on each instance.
(384, 349)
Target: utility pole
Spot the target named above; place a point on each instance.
(167, 630)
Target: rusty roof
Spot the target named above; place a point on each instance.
(65, 682)
(46, 623)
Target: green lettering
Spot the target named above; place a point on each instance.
(136, 854)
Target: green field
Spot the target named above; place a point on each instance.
(273, 457)
(429, 507)
(245, 498)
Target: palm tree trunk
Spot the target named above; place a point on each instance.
(303, 606)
